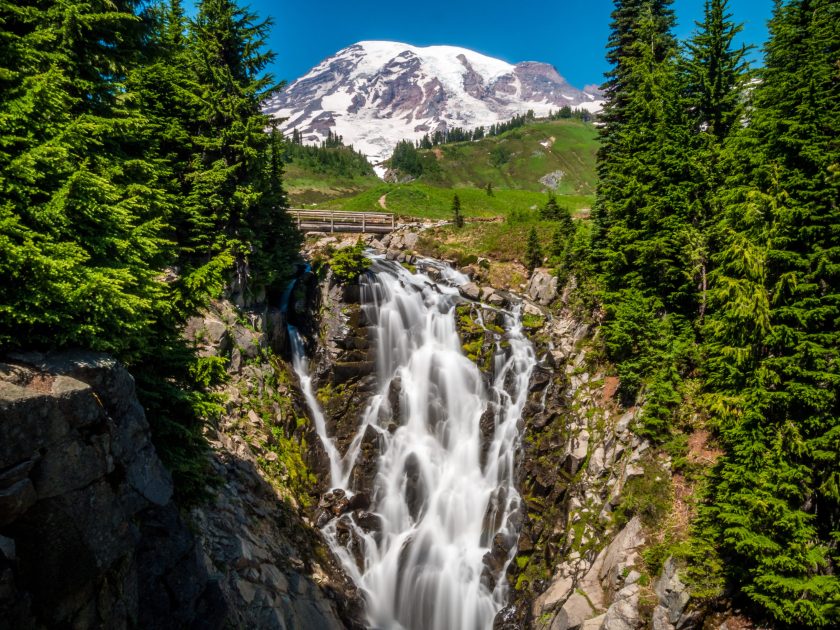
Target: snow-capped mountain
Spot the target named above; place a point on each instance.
(375, 94)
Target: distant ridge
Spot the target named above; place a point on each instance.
(376, 93)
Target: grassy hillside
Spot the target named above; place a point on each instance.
(418, 199)
(306, 186)
(513, 163)
(519, 158)
(315, 173)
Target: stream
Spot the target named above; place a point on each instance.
(444, 490)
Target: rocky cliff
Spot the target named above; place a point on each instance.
(89, 533)
(89, 536)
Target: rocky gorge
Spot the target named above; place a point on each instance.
(91, 536)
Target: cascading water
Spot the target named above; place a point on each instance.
(444, 488)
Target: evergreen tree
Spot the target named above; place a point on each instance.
(406, 159)
(773, 340)
(232, 198)
(457, 217)
(533, 251)
(623, 55)
(550, 211)
(82, 207)
(643, 191)
(643, 213)
(715, 74)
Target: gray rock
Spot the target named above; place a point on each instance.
(597, 462)
(532, 309)
(621, 553)
(497, 300)
(574, 612)
(672, 593)
(594, 623)
(623, 614)
(577, 452)
(247, 341)
(410, 240)
(470, 290)
(660, 621)
(542, 286)
(552, 180)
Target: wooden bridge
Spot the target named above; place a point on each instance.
(335, 221)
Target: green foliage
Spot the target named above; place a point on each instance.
(417, 199)
(499, 155)
(533, 251)
(772, 333)
(406, 159)
(648, 496)
(527, 155)
(349, 263)
(135, 173)
(331, 157)
(716, 233)
(457, 217)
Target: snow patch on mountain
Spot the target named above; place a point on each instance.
(376, 93)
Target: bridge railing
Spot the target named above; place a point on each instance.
(338, 221)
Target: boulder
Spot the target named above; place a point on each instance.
(410, 240)
(497, 300)
(470, 290)
(672, 593)
(248, 341)
(530, 308)
(577, 450)
(621, 553)
(623, 614)
(574, 612)
(542, 286)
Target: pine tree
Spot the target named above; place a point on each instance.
(457, 217)
(623, 55)
(81, 218)
(643, 213)
(232, 198)
(715, 74)
(533, 251)
(773, 338)
(643, 194)
(550, 211)
(406, 158)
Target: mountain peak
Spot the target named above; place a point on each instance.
(376, 93)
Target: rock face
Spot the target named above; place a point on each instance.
(574, 568)
(90, 537)
(673, 596)
(271, 563)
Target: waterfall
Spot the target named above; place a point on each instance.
(444, 490)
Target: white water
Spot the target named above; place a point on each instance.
(440, 506)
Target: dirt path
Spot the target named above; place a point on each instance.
(382, 202)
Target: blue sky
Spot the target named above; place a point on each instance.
(570, 34)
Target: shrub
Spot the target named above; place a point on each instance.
(349, 263)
